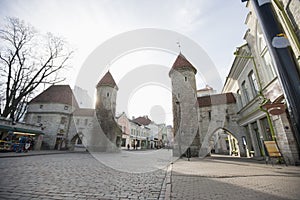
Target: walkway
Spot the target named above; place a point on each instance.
(233, 178)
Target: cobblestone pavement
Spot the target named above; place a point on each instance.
(81, 176)
(74, 176)
(220, 179)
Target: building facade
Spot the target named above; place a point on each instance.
(52, 110)
(254, 80)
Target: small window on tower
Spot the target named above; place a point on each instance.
(209, 115)
(107, 94)
(185, 78)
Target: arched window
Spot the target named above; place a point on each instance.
(253, 83)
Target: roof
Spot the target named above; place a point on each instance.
(142, 120)
(107, 80)
(62, 94)
(207, 87)
(86, 112)
(217, 99)
(182, 63)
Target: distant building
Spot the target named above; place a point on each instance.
(52, 110)
(206, 91)
(143, 133)
(82, 98)
(67, 126)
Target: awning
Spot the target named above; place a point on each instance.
(18, 129)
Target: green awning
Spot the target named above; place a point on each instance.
(18, 129)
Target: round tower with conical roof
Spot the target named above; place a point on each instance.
(185, 107)
(106, 108)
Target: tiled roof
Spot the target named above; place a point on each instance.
(217, 99)
(107, 80)
(182, 63)
(142, 121)
(89, 112)
(62, 94)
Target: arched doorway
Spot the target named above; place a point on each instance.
(224, 142)
(76, 143)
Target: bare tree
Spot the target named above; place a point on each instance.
(27, 61)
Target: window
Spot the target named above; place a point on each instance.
(178, 95)
(107, 94)
(85, 122)
(269, 71)
(39, 119)
(239, 101)
(41, 106)
(253, 83)
(245, 92)
(185, 78)
(209, 115)
(66, 107)
(79, 141)
(63, 120)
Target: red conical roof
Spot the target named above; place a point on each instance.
(62, 94)
(182, 63)
(107, 80)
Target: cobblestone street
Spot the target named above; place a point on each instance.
(73, 176)
(81, 176)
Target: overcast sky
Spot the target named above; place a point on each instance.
(216, 26)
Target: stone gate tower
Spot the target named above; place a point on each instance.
(106, 109)
(185, 107)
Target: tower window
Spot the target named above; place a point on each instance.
(185, 78)
(209, 115)
(107, 94)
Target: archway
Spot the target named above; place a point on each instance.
(224, 142)
(76, 143)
